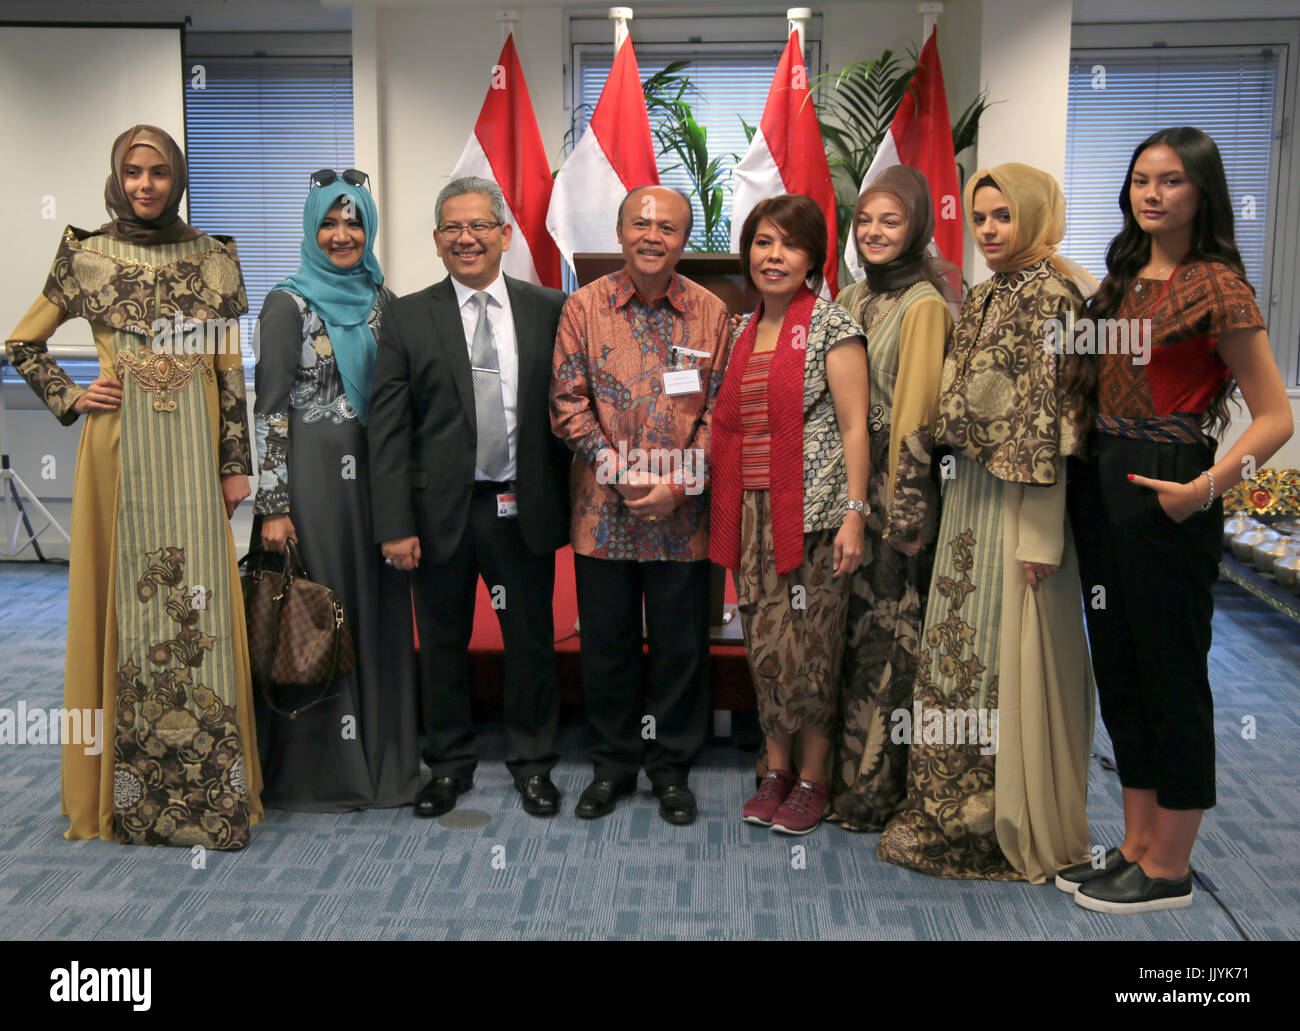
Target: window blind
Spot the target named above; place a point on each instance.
(255, 133)
(1119, 98)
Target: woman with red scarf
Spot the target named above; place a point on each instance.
(789, 480)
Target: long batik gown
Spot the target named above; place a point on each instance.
(1007, 804)
(156, 632)
(907, 332)
(358, 747)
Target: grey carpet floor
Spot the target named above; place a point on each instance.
(383, 875)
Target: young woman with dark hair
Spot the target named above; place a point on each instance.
(1146, 505)
(789, 485)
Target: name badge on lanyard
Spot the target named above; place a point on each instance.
(507, 505)
(682, 381)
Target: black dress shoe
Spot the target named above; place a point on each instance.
(600, 796)
(676, 804)
(541, 797)
(439, 796)
(1129, 890)
(1069, 879)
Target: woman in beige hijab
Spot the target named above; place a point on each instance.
(1000, 724)
(156, 636)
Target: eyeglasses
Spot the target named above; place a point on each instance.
(325, 176)
(478, 230)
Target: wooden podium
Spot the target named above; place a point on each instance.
(720, 274)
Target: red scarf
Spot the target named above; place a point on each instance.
(785, 382)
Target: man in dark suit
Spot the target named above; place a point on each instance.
(467, 480)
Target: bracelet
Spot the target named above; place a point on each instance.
(1206, 507)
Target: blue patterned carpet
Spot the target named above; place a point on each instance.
(382, 874)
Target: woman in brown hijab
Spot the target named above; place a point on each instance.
(156, 636)
(901, 304)
(1000, 724)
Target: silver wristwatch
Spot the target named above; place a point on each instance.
(860, 507)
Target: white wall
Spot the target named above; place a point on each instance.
(433, 69)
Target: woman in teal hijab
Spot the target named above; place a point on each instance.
(340, 280)
(316, 351)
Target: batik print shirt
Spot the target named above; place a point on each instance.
(609, 404)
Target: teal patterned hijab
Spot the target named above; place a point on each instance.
(343, 298)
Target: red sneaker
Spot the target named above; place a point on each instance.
(771, 793)
(803, 809)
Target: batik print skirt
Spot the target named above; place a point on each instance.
(793, 624)
(885, 612)
(1000, 726)
(946, 825)
(184, 768)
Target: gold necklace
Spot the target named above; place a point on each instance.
(1137, 287)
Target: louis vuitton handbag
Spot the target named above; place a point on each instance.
(296, 632)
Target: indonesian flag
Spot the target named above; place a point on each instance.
(506, 147)
(921, 136)
(786, 156)
(615, 154)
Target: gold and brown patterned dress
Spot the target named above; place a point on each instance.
(156, 635)
(907, 335)
(1000, 725)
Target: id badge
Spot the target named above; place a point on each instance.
(507, 506)
(682, 381)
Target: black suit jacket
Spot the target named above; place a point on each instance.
(422, 430)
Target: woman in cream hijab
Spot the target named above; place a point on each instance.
(1000, 724)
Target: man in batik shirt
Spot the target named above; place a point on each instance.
(638, 361)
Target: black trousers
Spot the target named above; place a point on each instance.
(522, 585)
(621, 688)
(1150, 630)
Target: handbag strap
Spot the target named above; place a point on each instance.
(326, 685)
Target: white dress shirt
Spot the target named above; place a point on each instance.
(502, 321)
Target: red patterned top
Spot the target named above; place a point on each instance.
(610, 405)
(1200, 303)
(756, 431)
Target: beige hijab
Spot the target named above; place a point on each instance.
(1037, 220)
(168, 227)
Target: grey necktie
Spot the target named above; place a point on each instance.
(493, 452)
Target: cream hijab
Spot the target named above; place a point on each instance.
(1037, 220)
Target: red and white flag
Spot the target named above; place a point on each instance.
(786, 156)
(921, 136)
(506, 147)
(616, 154)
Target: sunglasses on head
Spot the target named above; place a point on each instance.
(325, 176)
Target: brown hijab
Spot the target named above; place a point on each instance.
(909, 186)
(168, 227)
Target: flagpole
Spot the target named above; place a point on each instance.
(796, 20)
(620, 16)
(929, 19)
(507, 19)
